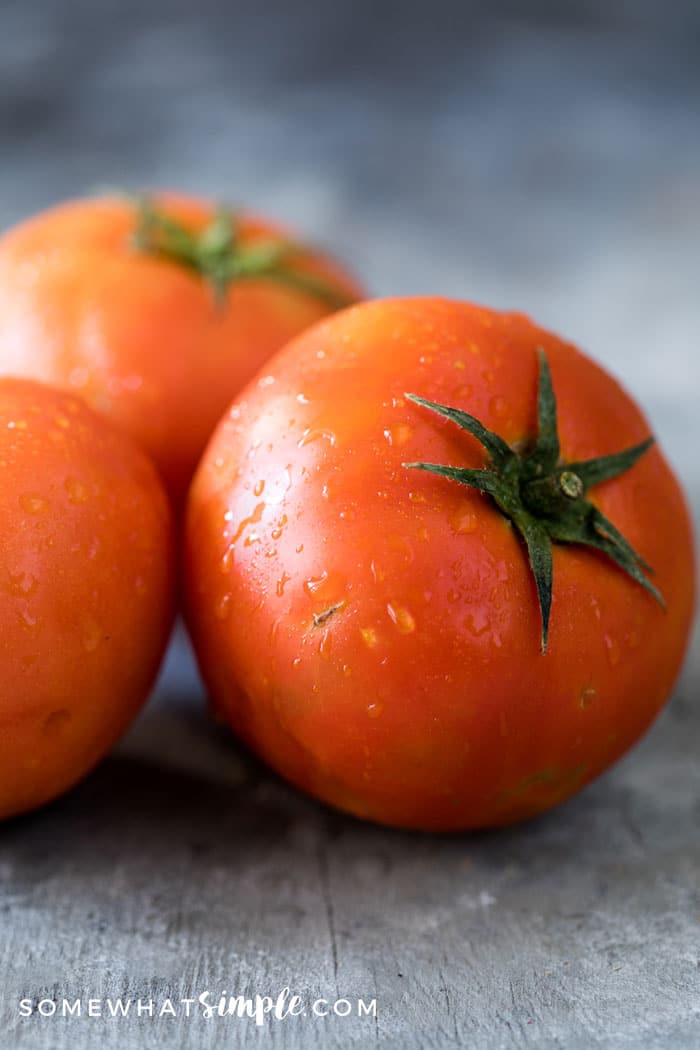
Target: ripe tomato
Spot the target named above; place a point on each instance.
(86, 589)
(373, 630)
(156, 313)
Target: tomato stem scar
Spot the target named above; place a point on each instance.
(322, 617)
(544, 497)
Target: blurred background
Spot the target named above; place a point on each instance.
(532, 155)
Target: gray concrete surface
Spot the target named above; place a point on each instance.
(543, 156)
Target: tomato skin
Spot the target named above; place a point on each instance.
(419, 696)
(86, 589)
(141, 338)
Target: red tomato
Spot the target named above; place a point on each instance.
(86, 589)
(374, 631)
(158, 337)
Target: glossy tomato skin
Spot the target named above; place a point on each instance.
(140, 338)
(373, 631)
(86, 589)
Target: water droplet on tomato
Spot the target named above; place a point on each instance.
(77, 491)
(223, 607)
(464, 521)
(399, 434)
(28, 620)
(252, 519)
(498, 406)
(586, 697)
(33, 504)
(92, 633)
(369, 637)
(324, 646)
(613, 650)
(374, 710)
(316, 434)
(314, 583)
(401, 618)
(477, 623)
(259, 488)
(22, 583)
(282, 583)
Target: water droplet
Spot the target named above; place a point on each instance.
(423, 534)
(586, 697)
(279, 528)
(477, 623)
(259, 488)
(17, 424)
(315, 583)
(489, 376)
(63, 422)
(302, 399)
(251, 538)
(401, 617)
(228, 559)
(316, 434)
(459, 365)
(377, 573)
(282, 583)
(464, 521)
(453, 596)
(91, 631)
(77, 491)
(296, 662)
(399, 434)
(464, 391)
(613, 650)
(223, 607)
(324, 647)
(252, 519)
(374, 710)
(369, 637)
(417, 497)
(33, 504)
(299, 548)
(22, 583)
(28, 620)
(498, 406)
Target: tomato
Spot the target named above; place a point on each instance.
(377, 632)
(156, 313)
(86, 589)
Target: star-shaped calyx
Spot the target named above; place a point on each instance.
(218, 254)
(543, 497)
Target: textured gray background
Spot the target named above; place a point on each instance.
(509, 153)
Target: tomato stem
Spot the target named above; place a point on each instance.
(218, 254)
(544, 497)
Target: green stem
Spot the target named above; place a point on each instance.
(544, 498)
(219, 256)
